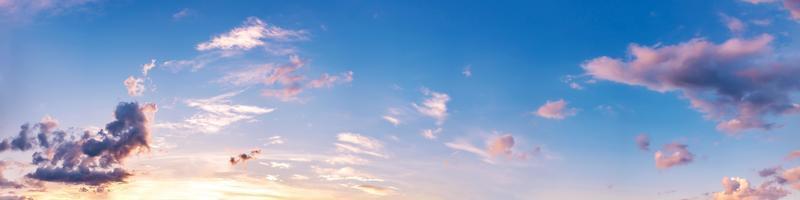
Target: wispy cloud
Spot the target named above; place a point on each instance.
(252, 33)
(216, 113)
(355, 143)
(496, 146)
(431, 133)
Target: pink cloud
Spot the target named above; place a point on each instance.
(673, 154)
(736, 83)
(556, 110)
(736, 188)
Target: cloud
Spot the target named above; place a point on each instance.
(93, 158)
(148, 66)
(373, 189)
(346, 159)
(134, 85)
(556, 110)
(643, 142)
(283, 81)
(216, 113)
(768, 171)
(673, 154)
(736, 83)
(5, 183)
(355, 143)
(274, 140)
(467, 72)
(244, 157)
(792, 177)
(391, 119)
(794, 8)
(496, 146)
(28, 9)
(736, 188)
(344, 173)
(252, 33)
(793, 155)
(733, 24)
(183, 13)
(435, 106)
(431, 133)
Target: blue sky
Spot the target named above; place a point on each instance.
(405, 100)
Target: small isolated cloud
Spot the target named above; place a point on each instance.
(737, 83)
(434, 106)
(733, 24)
(643, 142)
(278, 165)
(274, 140)
(346, 159)
(431, 133)
(556, 110)
(392, 120)
(327, 81)
(216, 113)
(243, 157)
(791, 177)
(373, 189)
(767, 172)
(673, 154)
(736, 188)
(355, 143)
(135, 86)
(467, 72)
(252, 33)
(183, 13)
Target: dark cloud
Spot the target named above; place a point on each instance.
(768, 171)
(737, 83)
(93, 158)
(244, 157)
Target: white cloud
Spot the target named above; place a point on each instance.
(216, 113)
(467, 72)
(252, 33)
(431, 133)
(148, 66)
(134, 85)
(360, 140)
(435, 106)
(346, 160)
(279, 165)
(391, 119)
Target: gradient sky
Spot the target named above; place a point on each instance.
(568, 100)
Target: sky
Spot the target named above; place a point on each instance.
(568, 100)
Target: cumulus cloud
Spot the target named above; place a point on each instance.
(93, 158)
(434, 106)
(737, 83)
(431, 133)
(643, 142)
(791, 177)
(252, 33)
(736, 188)
(216, 113)
(556, 110)
(355, 143)
(673, 154)
(243, 157)
(134, 85)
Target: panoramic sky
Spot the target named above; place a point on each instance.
(567, 100)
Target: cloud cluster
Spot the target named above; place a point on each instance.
(673, 154)
(736, 188)
(135, 85)
(93, 158)
(737, 83)
(434, 106)
(216, 113)
(556, 110)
